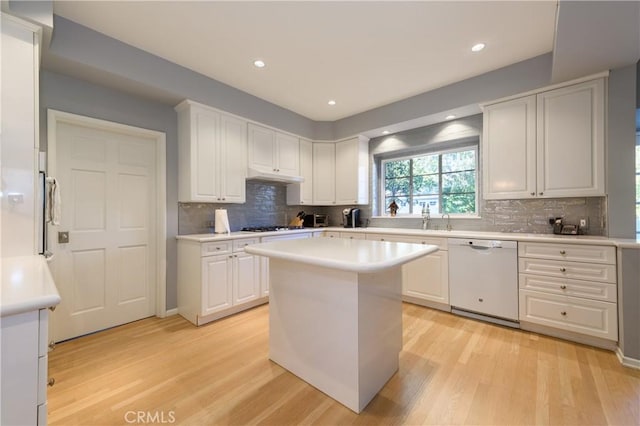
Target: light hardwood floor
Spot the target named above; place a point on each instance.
(452, 371)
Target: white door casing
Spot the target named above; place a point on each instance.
(112, 180)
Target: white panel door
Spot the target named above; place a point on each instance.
(324, 177)
(217, 283)
(287, 155)
(427, 278)
(262, 145)
(246, 277)
(347, 172)
(205, 184)
(233, 159)
(509, 149)
(106, 273)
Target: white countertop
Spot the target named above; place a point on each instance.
(360, 256)
(508, 236)
(27, 285)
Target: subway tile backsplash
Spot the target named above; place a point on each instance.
(266, 205)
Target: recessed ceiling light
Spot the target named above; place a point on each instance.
(258, 63)
(477, 47)
(332, 102)
(385, 132)
(450, 117)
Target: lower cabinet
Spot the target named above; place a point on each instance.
(570, 290)
(24, 368)
(425, 281)
(217, 279)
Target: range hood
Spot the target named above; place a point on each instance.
(272, 176)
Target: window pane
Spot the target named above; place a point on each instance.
(456, 161)
(402, 202)
(425, 165)
(459, 203)
(423, 185)
(395, 169)
(393, 187)
(433, 202)
(459, 182)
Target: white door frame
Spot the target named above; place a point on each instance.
(54, 117)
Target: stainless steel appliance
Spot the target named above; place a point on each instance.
(269, 228)
(483, 279)
(351, 217)
(316, 220)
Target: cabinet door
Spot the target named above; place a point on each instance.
(233, 164)
(324, 184)
(302, 193)
(262, 145)
(509, 149)
(216, 283)
(427, 278)
(570, 138)
(287, 155)
(347, 172)
(246, 279)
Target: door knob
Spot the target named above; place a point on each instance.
(63, 237)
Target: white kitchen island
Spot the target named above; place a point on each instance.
(335, 312)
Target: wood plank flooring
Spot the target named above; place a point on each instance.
(452, 371)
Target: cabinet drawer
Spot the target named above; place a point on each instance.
(440, 242)
(353, 235)
(591, 317)
(568, 287)
(43, 332)
(42, 379)
(331, 234)
(569, 252)
(42, 414)
(239, 245)
(221, 247)
(573, 270)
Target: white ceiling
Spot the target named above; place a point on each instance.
(362, 54)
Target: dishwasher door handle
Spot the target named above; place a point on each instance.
(480, 247)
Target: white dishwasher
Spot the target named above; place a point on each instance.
(483, 279)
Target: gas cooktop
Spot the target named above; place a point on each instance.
(269, 228)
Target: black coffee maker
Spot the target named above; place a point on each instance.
(351, 217)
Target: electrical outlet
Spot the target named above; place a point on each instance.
(583, 223)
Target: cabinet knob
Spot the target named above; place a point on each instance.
(541, 193)
(563, 313)
(533, 193)
(480, 299)
(52, 345)
(563, 269)
(51, 382)
(52, 308)
(381, 239)
(563, 287)
(563, 252)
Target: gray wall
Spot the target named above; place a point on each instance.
(621, 141)
(629, 297)
(67, 94)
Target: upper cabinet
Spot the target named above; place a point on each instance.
(302, 193)
(324, 174)
(549, 144)
(273, 152)
(212, 151)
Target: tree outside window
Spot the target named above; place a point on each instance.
(445, 181)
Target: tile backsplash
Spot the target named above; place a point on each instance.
(266, 205)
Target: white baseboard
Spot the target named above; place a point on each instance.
(626, 361)
(171, 312)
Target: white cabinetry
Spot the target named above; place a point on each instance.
(549, 144)
(302, 193)
(273, 152)
(341, 172)
(216, 279)
(20, 64)
(24, 368)
(425, 281)
(212, 155)
(324, 175)
(571, 288)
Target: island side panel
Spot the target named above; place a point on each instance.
(313, 327)
(379, 330)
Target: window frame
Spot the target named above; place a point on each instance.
(382, 208)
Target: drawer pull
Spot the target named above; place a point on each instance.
(480, 300)
(563, 269)
(51, 382)
(563, 313)
(381, 239)
(52, 345)
(52, 308)
(563, 252)
(563, 287)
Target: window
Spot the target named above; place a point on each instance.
(445, 180)
(638, 188)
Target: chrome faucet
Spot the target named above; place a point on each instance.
(426, 216)
(449, 227)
